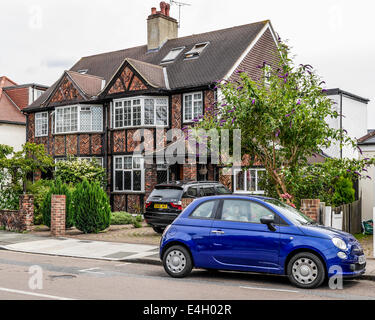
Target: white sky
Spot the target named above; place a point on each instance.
(41, 38)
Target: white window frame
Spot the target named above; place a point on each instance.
(185, 120)
(170, 57)
(79, 109)
(257, 191)
(39, 126)
(118, 104)
(141, 169)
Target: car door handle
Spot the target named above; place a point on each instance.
(217, 231)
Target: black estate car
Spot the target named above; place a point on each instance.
(166, 201)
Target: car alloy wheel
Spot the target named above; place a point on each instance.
(177, 262)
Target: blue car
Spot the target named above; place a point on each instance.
(258, 234)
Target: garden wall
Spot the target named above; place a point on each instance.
(19, 220)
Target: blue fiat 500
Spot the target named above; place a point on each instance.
(258, 234)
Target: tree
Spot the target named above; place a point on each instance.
(31, 158)
(282, 120)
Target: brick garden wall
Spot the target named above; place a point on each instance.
(58, 215)
(19, 220)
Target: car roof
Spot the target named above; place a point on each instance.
(239, 196)
(181, 183)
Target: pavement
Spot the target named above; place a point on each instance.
(100, 250)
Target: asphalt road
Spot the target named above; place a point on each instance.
(72, 278)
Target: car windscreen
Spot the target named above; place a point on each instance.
(292, 214)
(166, 194)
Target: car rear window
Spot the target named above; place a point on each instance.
(167, 193)
(222, 190)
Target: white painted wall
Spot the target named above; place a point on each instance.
(354, 121)
(13, 135)
(367, 186)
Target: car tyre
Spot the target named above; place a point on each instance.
(305, 270)
(177, 261)
(158, 229)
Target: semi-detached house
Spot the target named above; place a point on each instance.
(94, 109)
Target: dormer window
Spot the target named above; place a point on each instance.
(196, 51)
(172, 55)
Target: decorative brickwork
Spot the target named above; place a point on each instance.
(134, 203)
(20, 220)
(151, 178)
(71, 144)
(96, 144)
(190, 171)
(58, 215)
(59, 145)
(225, 177)
(176, 111)
(84, 144)
(122, 83)
(131, 143)
(311, 208)
(119, 141)
(209, 100)
(186, 202)
(31, 128)
(137, 84)
(66, 92)
(119, 202)
(211, 172)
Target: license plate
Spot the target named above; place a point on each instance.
(160, 206)
(362, 259)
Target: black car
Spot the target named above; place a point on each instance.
(167, 200)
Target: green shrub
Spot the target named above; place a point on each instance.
(121, 217)
(74, 171)
(58, 188)
(344, 192)
(92, 212)
(39, 190)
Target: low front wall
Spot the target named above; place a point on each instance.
(19, 220)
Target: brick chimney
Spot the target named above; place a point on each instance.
(160, 27)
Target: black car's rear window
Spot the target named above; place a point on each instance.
(167, 193)
(222, 190)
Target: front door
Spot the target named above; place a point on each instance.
(238, 239)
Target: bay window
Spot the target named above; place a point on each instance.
(249, 180)
(78, 119)
(193, 106)
(41, 124)
(129, 173)
(140, 111)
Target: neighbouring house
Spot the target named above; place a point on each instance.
(367, 186)
(13, 99)
(94, 109)
(352, 110)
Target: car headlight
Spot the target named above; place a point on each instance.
(339, 243)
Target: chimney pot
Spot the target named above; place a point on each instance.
(153, 10)
(167, 8)
(163, 6)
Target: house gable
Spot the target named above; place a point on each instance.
(66, 91)
(127, 79)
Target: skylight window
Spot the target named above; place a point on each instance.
(173, 54)
(83, 71)
(196, 51)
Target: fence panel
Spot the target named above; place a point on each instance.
(352, 215)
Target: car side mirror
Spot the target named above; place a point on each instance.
(269, 221)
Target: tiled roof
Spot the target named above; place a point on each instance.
(367, 139)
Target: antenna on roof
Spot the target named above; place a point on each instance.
(179, 4)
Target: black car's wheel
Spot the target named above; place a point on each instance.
(306, 270)
(177, 262)
(158, 229)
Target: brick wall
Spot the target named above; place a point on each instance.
(20, 220)
(58, 215)
(190, 171)
(311, 208)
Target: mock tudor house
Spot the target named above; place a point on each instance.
(13, 99)
(94, 109)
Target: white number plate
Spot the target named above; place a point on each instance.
(362, 259)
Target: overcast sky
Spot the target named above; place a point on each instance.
(42, 38)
